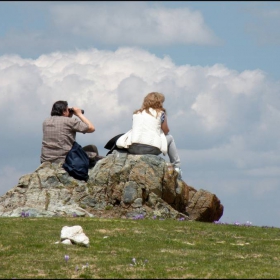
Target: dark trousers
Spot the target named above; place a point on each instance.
(142, 149)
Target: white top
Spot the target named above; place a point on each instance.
(146, 129)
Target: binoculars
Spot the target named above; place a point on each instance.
(72, 111)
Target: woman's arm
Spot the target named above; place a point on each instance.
(164, 126)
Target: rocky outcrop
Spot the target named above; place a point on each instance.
(120, 185)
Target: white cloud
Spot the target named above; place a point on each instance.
(219, 101)
(130, 23)
(227, 95)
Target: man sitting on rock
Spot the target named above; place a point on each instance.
(59, 132)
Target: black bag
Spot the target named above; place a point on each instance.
(111, 144)
(77, 163)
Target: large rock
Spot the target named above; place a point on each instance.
(120, 185)
(74, 235)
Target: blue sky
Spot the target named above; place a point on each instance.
(216, 62)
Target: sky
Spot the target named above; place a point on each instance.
(216, 62)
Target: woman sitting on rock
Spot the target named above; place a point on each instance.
(150, 132)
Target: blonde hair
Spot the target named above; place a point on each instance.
(152, 100)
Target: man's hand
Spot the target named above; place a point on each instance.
(71, 112)
(76, 111)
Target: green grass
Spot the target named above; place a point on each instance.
(173, 249)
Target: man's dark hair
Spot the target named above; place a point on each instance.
(58, 108)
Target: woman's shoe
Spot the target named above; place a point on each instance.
(179, 171)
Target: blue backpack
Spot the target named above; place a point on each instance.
(77, 163)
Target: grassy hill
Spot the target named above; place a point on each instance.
(127, 249)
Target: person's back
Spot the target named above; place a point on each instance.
(146, 129)
(58, 137)
(59, 131)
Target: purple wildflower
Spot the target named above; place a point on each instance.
(139, 217)
(66, 257)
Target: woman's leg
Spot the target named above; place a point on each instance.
(172, 151)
